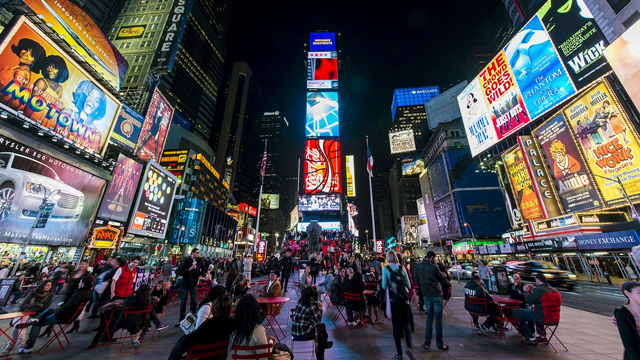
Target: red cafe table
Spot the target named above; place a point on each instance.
(278, 302)
(11, 316)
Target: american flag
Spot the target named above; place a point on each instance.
(369, 161)
(263, 165)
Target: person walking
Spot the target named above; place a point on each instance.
(429, 279)
(287, 266)
(485, 274)
(167, 270)
(248, 263)
(191, 270)
(396, 282)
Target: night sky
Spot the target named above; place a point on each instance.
(400, 44)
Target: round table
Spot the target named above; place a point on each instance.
(505, 301)
(11, 316)
(277, 302)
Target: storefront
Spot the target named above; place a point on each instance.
(607, 254)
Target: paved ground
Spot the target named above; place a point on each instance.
(586, 335)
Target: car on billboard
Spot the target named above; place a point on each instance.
(23, 183)
(555, 276)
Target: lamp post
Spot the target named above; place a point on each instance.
(473, 239)
(277, 235)
(53, 195)
(634, 212)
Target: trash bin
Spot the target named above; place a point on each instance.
(502, 279)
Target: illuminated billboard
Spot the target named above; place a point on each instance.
(411, 165)
(83, 36)
(322, 114)
(326, 225)
(127, 128)
(522, 185)
(50, 89)
(624, 57)
(325, 41)
(155, 199)
(402, 141)
(175, 162)
(131, 32)
(155, 128)
(350, 170)
(187, 221)
(322, 167)
(475, 116)
(118, 197)
(409, 225)
(26, 174)
(322, 70)
(270, 201)
(319, 203)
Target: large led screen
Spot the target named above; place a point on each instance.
(608, 142)
(319, 203)
(48, 87)
(127, 128)
(325, 41)
(325, 225)
(155, 128)
(155, 199)
(270, 201)
(322, 70)
(624, 57)
(402, 141)
(175, 162)
(411, 165)
(322, 114)
(186, 223)
(118, 198)
(83, 36)
(26, 175)
(322, 167)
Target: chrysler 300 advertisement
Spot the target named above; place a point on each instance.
(26, 176)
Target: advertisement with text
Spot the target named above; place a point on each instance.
(155, 128)
(521, 183)
(322, 167)
(322, 70)
(402, 141)
(478, 125)
(118, 198)
(127, 128)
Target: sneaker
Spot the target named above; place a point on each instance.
(352, 323)
(136, 344)
(530, 341)
(443, 347)
(161, 327)
(397, 357)
(25, 350)
(542, 339)
(426, 345)
(27, 323)
(484, 329)
(478, 328)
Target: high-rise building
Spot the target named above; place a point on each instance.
(385, 226)
(520, 11)
(186, 37)
(101, 11)
(614, 17)
(408, 112)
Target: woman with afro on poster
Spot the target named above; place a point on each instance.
(28, 52)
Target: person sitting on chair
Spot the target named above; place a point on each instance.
(272, 289)
(62, 315)
(306, 323)
(526, 317)
(476, 289)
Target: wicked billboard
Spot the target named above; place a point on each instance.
(26, 176)
(49, 88)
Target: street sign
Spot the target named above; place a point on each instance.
(43, 215)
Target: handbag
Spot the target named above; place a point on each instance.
(188, 324)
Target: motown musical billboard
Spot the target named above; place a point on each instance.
(38, 79)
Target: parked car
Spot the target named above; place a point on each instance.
(23, 183)
(464, 270)
(555, 277)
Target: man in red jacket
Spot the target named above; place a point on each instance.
(124, 279)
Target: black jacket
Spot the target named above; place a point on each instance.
(190, 278)
(287, 266)
(65, 313)
(37, 302)
(211, 331)
(337, 291)
(475, 290)
(428, 278)
(628, 333)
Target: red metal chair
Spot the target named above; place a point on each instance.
(476, 301)
(209, 351)
(551, 303)
(129, 311)
(313, 341)
(340, 309)
(266, 355)
(203, 289)
(62, 329)
(509, 314)
(296, 287)
(445, 302)
(358, 299)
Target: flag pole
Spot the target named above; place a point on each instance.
(373, 218)
(263, 165)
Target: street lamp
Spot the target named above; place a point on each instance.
(55, 195)
(473, 238)
(277, 234)
(634, 212)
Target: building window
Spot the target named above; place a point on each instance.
(141, 8)
(145, 44)
(153, 26)
(618, 5)
(149, 35)
(631, 20)
(160, 7)
(126, 45)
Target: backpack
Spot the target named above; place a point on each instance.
(398, 291)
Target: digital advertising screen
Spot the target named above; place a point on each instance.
(409, 225)
(624, 57)
(155, 199)
(578, 39)
(118, 197)
(402, 141)
(322, 70)
(53, 91)
(522, 184)
(570, 175)
(84, 36)
(325, 225)
(322, 114)
(127, 128)
(350, 171)
(26, 176)
(319, 203)
(175, 162)
(322, 167)
(324, 41)
(411, 165)
(186, 224)
(270, 201)
(478, 125)
(537, 68)
(608, 142)
(155, 128)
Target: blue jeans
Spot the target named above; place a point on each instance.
(46, 318)
(433, 306)
(16, 296)
(527, 318)
(193, 293)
